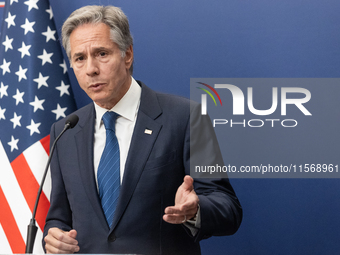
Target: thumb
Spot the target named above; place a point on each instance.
(72, 233)
(188, 183)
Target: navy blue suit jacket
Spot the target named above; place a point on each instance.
(155, 168)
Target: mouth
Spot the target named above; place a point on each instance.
(96, 86)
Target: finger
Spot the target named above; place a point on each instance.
(64, 236)
(58, 241)
(50, 249)
(188, 183)
(72, 233)
(185, 208)
(175, 219)
(54, 246)
(189, 214)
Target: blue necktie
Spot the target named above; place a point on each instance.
(108, 175)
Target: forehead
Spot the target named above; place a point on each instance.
(90, 35)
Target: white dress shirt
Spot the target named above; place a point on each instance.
(127, 109)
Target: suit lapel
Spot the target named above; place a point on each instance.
(140, 148)
(85, 156)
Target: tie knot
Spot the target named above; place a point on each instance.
(109, 119)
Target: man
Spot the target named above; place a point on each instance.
(159, 209)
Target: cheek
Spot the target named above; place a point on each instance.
(81, 79)
(108, 71)
(79, 72)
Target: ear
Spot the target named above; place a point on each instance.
(129, 57)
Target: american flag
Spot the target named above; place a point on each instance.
(34, 92)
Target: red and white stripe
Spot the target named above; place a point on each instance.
(19, 184)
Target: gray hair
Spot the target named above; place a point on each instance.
(112, 16)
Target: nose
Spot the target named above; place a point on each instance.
(92, 67)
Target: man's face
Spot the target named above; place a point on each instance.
(98, 65)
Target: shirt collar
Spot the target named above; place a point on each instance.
(127, 107)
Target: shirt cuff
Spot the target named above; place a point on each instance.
(194, 224)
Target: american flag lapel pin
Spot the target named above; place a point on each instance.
(148, 131)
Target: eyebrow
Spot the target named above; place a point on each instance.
(78, 54)
(75, 55)
(101, 48)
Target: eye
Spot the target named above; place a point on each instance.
(102, 54)
(80, 58)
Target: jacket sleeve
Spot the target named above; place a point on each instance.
(220, 209)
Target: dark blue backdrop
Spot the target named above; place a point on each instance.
(178, 40)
